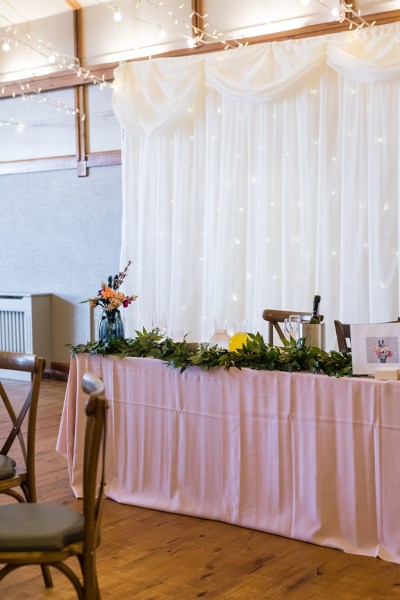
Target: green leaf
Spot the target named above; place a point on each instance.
(292, 356)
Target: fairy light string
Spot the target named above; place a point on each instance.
(14, 36)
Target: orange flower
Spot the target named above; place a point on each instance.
(108, 296)
(107, 292)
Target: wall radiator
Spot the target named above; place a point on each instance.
(25, 326)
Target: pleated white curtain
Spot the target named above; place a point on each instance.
(254, 178)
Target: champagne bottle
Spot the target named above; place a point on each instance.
(315, 318)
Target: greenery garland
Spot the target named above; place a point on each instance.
(255, 354)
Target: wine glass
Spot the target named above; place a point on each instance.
(159, 322)
(178, 334)
(292, 326)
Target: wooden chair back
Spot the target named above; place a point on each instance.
(93, 470)
(24, 477)
(276, 317)
(343, 334)
(53, 533)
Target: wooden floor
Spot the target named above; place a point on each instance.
(151, 555)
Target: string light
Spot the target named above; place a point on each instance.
(31, 43)
(117, 16)
(202, 35)
(26, 91)
(335, 12)
(192, 42)
(345, 12)
(9, 123)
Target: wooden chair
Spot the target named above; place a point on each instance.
(48, 534)
(13, 475)
(343, 336)
(22, 476)
(275, 317)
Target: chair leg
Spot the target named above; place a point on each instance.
(91, 590)
(48, 580)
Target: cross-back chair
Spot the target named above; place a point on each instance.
(13, 475)
(48, 534)
(22, 474)
(276, 317)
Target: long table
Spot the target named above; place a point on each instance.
(305, 456)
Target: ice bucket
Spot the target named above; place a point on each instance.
(314, 334)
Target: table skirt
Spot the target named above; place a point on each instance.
(305, 456)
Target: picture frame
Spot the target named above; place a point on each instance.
(374, 345)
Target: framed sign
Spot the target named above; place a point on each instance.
(374, 345)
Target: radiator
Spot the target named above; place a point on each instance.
(25, 326)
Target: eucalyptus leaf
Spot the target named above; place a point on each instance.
(256, 354)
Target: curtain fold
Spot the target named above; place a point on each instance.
(147, 94)
(265, 72)
(256, 177)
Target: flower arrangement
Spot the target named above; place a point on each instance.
(108, 296)
(255, 354)
(382, 351)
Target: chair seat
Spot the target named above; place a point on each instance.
(7, 467)
(39, 527)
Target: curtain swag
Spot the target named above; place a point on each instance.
(148, 94)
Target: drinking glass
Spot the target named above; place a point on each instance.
(292, 326)
(177, 334)
(239, 326)
(159, 321)
(220, 337)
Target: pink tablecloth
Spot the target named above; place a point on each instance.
(304, 456)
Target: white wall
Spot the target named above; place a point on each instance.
(60, 234)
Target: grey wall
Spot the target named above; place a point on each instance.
(60, 234)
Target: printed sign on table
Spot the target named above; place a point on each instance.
(374, 345)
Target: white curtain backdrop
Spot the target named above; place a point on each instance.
(254, 178)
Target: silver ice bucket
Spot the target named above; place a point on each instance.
(314, 334)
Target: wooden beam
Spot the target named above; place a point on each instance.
(197, 18)
(59, 163)
(54, 163)
(66, 79)
(104, 159)
(58, 80)
(73, 4)
(80, 99)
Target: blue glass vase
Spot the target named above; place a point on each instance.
(111, 325)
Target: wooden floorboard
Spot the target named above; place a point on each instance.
(152, 555)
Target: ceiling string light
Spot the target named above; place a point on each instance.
(11, 122)
(14, 36)
(346, 13)
(20, 37)
(202, 35)
(26, 91)
(63, 61)
(117, 15)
